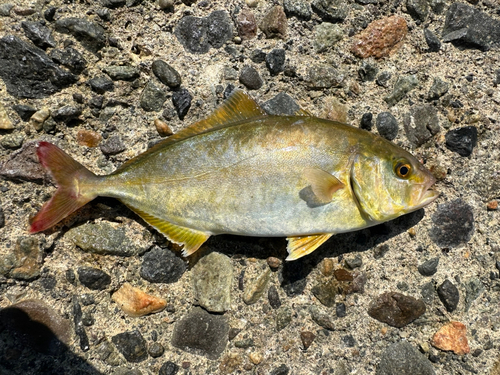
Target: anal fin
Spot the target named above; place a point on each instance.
(303, 245)
(191, 239)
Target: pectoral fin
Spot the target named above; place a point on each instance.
(192, 239)
(300, 246)
(323, 184)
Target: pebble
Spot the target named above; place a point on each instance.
(66, 113)
(70, 58)
(324, 77)
(353, 262)
(429, 267)
(5, 9)
(330, 10)
(131, 345)
(280, 370)
(37, 79)
(380, 38)
(396, 309)
(273, 297)
(88, 138)
(101, 84)
(78, 324)
(166, 4)
(275, 61)
(418, 9)
(258, 56)
(453, 224)
(326, 35)
(166, 74)
(181, 99)
(106, 239)
(93, 278)
(274, 23)
(462, 140)
(427, 291)
(134, 302)
(169, 368)
(250, 77)
(283, 318)
(91, 35)
(198, 35)
(49, 13)
(402, 358)
(39, 34)
(387, 125)
(162, 128)
(212, 278)
(2, 221)
(24, 111)
(246, 24)
(366, 122)
(112, 146)
(367, 71)
(297, 8)
(5, 121)
(473, 289)
(340, 310)
(322, 319)
(122, 73)
(449, 295)
(325, 291)
(307, 338)
(36, 324)
(453, 337)
(469, 27)
(492, 205)
(201, 333)
(421, 124)
(28, 259)
(432, 41)
(23, 165)
(254, 289)
(282, 104)
(383, 79)
(402, 87)
(438, 89)
(162, 266)
(152, 98)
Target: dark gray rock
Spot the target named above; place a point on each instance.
(383, 79)
(156, 350)
(40, 35)
(89, 34)
(462, 140)
(132, 345)
(321, 318)
(152, 98)
(281, 104)
(418, 9)
(273, 297)
(325, 291)
(402, 87)
(78, 323)
(280, 370)
(420, 124)
(297, 8)
(438, 89)
(181, 99)
(324, 77)
(367, 71)
(396, 309)
(201, 333)
(70, 58)
(469, 27)
(113, 4)
(293, 278)
(340, 310)
(387, 125)
(5, 9)
(250, 77)
(112, 146)
(28, 72)
(198, 35)
(101, 84)
(2, 218)
(24, 111)
(169, 368)
(331, 10)
(449, 295)
(66, 113)
(402, 358)
(166, 74)
(429, 267)
(275, 61)
(162, 266)
(427, 291)
(366, 122)
(49, 13)
(93, 278)
(473, 289)
(432, 41)
(122, 73)
(258, 56)
(453, 224)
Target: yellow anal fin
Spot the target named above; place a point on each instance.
(300, 246)
(191, 239)
(323, 184)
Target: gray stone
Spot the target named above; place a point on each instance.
(93, 278)
(325, 291)
(112, 146)
(429, 267)
(5, 9)
(39, 34)
(122, 73)
(326, 35)
(473, 289)
(367, 71)
(283, 318)
(462, 140)
(250, 77)
(453, 224)
(281, 104)
(324, 77)
(132, 345)
(402, 87)
(418, 9)
(438, 89)
(330, 10)
(212, 280)
(387, 125)
(427, 291)
(297, 8)
(275, 61)
(28, 259)
(432, 41)
(449, 295)
(321, 318)
(421, 124)
(402, 358)
(12, 141)
(23, 165)
(166, 74)
(90, 34)
(101, 84)
(254, 289)
(66, 113)
(181, 99)
(201, 333)
(70, 58)
(152, 98)
(168, 368)
(162, 266)
(273, 297)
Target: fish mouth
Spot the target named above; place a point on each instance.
(427, 197)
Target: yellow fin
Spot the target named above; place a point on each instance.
(303, 112)
(238, 107)
(300, 246)
(323, 184)
(192, 239)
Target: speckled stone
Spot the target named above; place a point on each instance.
(449, 295)
(432, 41)
(438, 89)
(402, 358)
(275, 61)
(453, 224)
(152, 98)
(297, 8)
(12, 141)
(166, 73)
(112, 146)
(322, 319)
(367, 71)
(274, 23)
(132, 345)
(246, 24)
(254, 289)
(91, 35)
(402, 87)
(396, 309)
(326, 35)
(421, 124)
(473, 289)
(429, 267)
(325, 291)
(101, 84)
(40, 35)
(273, 297)
(283, 318)
(250, 77)
(418, 9)
(169, 368)
(162, 266)
(281, 104)
(324, 77)
(387, 125)
(29, 258)
(93, 278)
(122, 73)
(330, 10)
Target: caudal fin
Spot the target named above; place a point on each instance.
(73, 182)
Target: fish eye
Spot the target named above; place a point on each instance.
(403, 169)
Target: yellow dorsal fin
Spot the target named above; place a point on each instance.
(300, 246)
(236, 108)
(323, 184)
(303, 112)
(192, 239)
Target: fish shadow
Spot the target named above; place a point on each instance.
(28, 347)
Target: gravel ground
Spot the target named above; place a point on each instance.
(365, 302)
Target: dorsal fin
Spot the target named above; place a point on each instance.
(236, 108)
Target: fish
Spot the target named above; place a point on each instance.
(243, 172)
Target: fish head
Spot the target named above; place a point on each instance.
(388, 182)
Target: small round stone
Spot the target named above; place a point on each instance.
(387, 125)
(156, 349)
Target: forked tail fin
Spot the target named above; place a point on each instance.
(74, 183)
